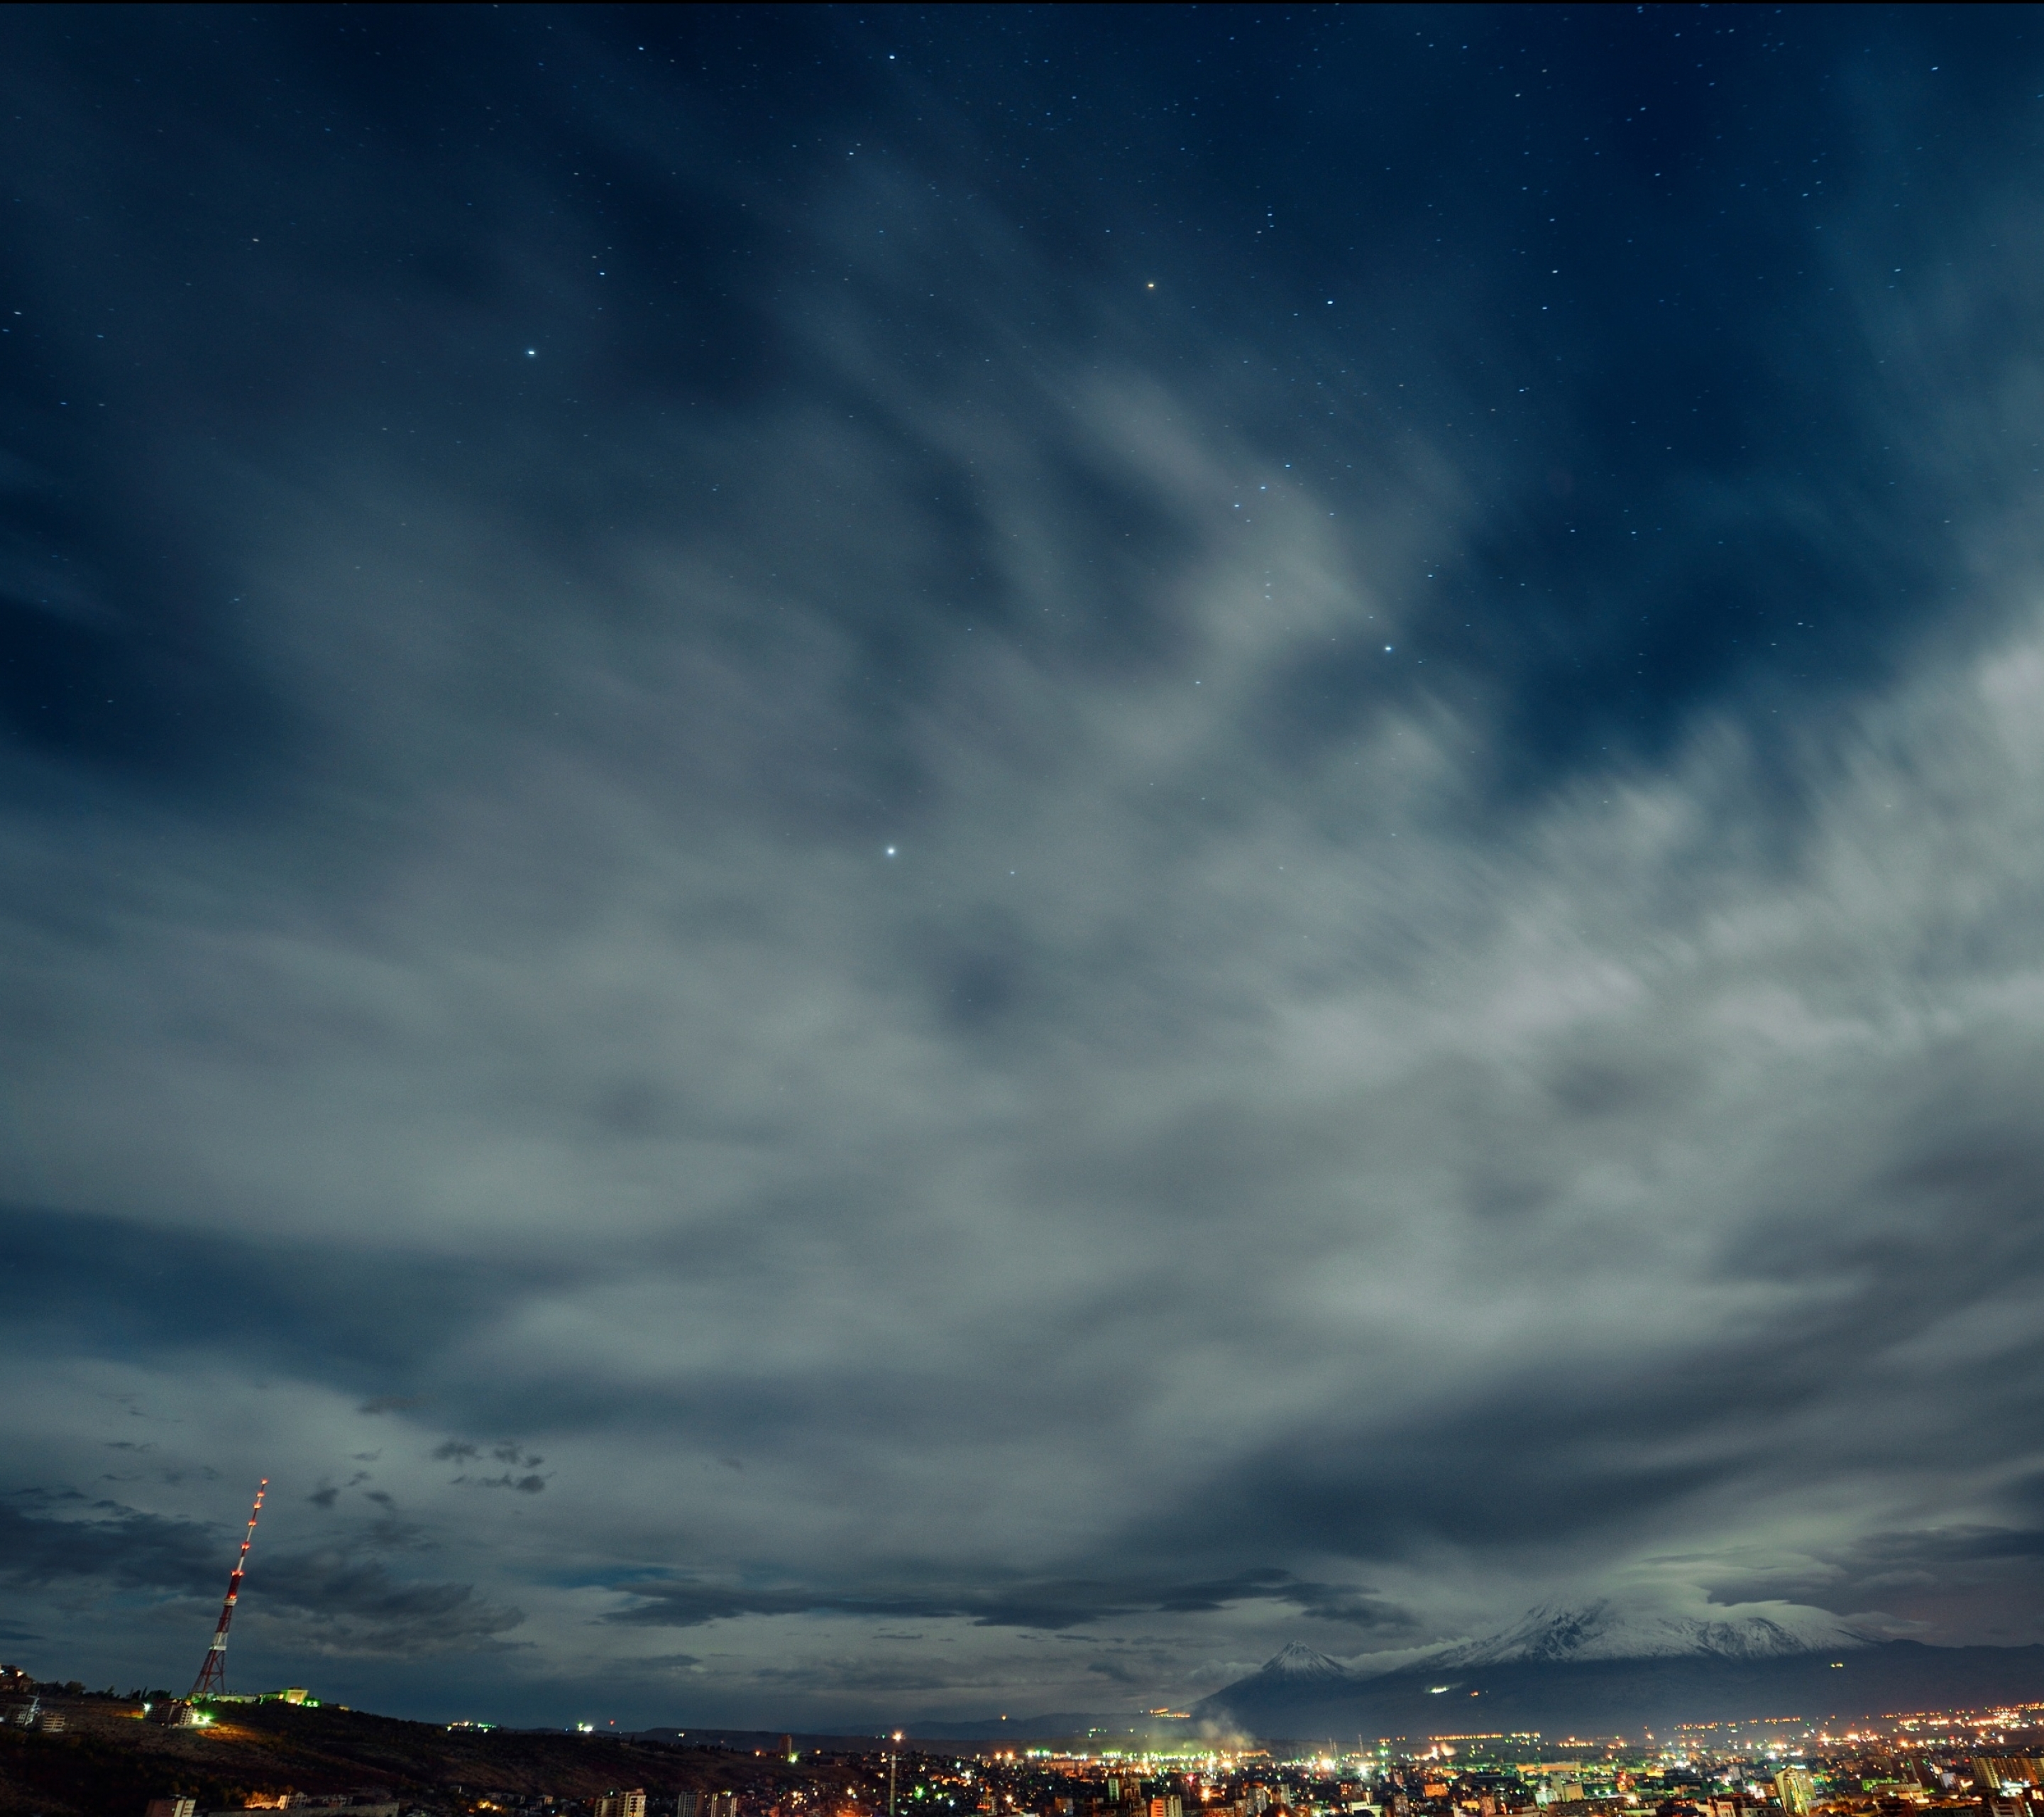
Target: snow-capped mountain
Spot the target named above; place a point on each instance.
(1607, 1631)
(1561, 1634)
(1610, 1667)
(1302, 1664)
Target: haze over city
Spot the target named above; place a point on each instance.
(891, 867)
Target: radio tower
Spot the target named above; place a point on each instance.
(211, 1680)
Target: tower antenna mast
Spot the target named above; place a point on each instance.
(211, 1680)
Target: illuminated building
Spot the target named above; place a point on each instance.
(1795, 1789)
(2001, 1773)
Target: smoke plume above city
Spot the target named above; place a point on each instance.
(879, 866)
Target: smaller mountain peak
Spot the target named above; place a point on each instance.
(1292, 1661)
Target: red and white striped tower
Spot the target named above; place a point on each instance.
(211, 1680)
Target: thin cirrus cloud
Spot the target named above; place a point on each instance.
(1052, 1606)
(1014, 956)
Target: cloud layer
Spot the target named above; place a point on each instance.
(1006, 967)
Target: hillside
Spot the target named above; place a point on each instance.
(107, 1762)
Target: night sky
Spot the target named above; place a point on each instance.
(872, 864)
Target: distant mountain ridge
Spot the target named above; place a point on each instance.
(1596, 1668)
(1605, 1668)
(1604, 1630)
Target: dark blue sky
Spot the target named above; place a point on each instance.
(869, 863)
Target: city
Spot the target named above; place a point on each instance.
(1970, 1763)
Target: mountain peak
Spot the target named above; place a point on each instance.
(1556, 1634)
(1292, 1661)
